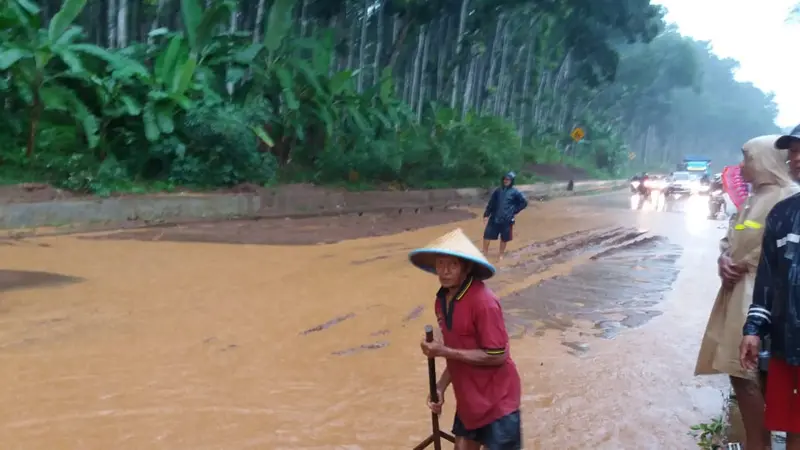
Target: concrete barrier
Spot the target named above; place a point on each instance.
(269, 203)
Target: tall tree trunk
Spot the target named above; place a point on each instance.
(417, 66)
(334, 64)
(362, 46)
(351, 44)
(424, 75)
(538, 103)
(400, 32)
(526, 84)
(494, 55)
(112, 23)
(160, 8)
(259, 24)
(231, 30)
(122, 24)
(376, 61)
(441, 58)
(304, 18)
(465, 106)
(503, 75)
(462, 24)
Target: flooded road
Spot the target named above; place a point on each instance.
(155, 344)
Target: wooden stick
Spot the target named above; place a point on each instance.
(436, 437)
(437, 442)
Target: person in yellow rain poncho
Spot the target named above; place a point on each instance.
(766, 171)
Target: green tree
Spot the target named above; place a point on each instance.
(388, 91)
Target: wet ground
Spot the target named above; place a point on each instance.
(158, 344)
(302, 231)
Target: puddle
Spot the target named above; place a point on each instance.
(602, 291)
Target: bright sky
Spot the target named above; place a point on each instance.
(756, 34)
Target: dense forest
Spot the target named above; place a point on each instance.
(103, 95)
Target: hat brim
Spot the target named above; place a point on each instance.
(425, 259)
(784, 142)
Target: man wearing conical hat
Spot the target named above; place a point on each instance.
(485, 380)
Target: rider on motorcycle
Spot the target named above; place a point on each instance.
(716, 183)
(642, 182)
(716, 199)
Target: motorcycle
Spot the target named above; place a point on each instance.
(701, 189)
(644, 192)
(674, 192)
(635, 183)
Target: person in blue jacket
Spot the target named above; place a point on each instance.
(506, 202)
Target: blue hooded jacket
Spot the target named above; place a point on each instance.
(505, 203)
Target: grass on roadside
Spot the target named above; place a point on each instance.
(714, 435)
(711, 435)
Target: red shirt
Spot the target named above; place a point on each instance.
(474, 320)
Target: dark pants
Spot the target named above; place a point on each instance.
(494, 230)
(504, 433)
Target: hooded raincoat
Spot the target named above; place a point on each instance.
(719, 351)
(506, 202)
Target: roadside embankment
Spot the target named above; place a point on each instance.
(284, 201)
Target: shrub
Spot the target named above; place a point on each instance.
(216, 147)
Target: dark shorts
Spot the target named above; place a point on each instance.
(504, 433)
(503, 230)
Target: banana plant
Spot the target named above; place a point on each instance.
(168, 86)
(185, 70)
(33, 58)
(49, 68)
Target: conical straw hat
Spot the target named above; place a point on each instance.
(454, 243)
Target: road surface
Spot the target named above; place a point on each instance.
(152, 343)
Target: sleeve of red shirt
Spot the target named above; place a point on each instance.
(491, 328)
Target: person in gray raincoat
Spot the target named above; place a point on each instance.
(506, 202)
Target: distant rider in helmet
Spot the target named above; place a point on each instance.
(642, 181)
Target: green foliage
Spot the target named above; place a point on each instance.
(205, 105)
(710, 436)
(218, 148)
(440, 149)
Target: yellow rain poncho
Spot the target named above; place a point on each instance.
(719, 351)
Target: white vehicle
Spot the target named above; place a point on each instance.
(656, 183)
(680, 184)
(697, 185)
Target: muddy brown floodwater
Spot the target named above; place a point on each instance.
(152, 341)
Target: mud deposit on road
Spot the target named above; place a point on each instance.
(180, 345)
(607, 278)
(596, 281)
(611, 293)
(21, 279)
(305, 231)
